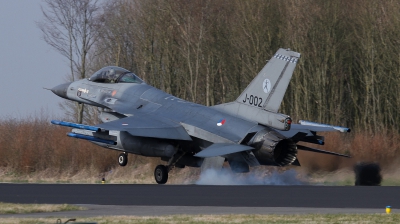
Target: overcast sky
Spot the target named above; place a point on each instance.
(27, 63)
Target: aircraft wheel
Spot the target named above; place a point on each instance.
(122, 159)
(161, 174)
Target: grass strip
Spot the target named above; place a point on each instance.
(11, 208)
(203, 219)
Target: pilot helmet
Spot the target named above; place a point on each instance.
(111, 75)
(111, 72)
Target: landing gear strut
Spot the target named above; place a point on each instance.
(122, 159)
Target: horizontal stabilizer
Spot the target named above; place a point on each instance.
(305, 148)
(145, 125)
(220, 149)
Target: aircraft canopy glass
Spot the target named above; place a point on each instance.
(113, 74)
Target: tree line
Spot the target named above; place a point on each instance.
(208, 51)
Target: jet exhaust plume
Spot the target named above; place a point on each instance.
(255, 177)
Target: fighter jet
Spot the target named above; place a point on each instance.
(143, 120)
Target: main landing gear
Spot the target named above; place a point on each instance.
(123, 159)
(161, 174)
(161, 171)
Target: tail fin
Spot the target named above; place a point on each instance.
(267, 89)
(261, 100)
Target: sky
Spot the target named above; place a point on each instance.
(27, 63)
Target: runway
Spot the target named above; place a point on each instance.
(203, 195)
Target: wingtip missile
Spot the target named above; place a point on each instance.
(74, 125)
(341, 129)
(91, 138)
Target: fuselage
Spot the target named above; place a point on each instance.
(126, 94)
(135, 99)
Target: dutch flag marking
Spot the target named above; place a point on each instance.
(221, 122)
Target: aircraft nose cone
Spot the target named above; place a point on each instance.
(61, 90)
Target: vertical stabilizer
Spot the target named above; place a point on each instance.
(261, 100)
(267, 89)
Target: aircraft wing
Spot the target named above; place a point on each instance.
(145, 125)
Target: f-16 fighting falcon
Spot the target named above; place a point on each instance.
(143, 120)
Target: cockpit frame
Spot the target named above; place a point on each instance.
(114, 74)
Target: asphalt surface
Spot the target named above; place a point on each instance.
(203, 195)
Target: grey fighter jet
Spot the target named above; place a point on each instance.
(144, 120)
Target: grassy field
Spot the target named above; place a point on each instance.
(307, 218)
(10, 208)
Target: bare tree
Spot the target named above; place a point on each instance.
(71, 27)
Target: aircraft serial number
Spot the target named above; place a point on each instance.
(253, 100)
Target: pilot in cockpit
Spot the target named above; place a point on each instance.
(110, 76)
(113, 74)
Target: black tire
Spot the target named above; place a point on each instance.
(161, 174)
(123, 159)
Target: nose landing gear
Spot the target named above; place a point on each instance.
(123, 159)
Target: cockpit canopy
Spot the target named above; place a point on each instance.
(113, 74)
